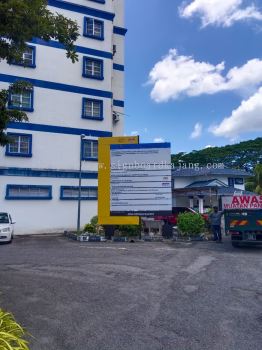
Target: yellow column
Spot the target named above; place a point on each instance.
(104, 217)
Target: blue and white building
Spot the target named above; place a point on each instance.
(201, 188)
(39, 170)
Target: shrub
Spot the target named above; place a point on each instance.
(11, 333)
(89, 228)
(130, 230)
(190, 224)
(94, 221)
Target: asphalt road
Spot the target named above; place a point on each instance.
(143, 296)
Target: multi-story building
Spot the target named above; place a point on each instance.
(39, 170)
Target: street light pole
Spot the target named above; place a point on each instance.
(80, 184)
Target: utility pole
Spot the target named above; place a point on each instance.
(80, 183)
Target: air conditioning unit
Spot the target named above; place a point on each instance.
(116, 117)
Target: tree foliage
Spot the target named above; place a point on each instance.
(190, 224)
(7, 115)
(254, 184)
(89, 228)
(94, 221)
(20, 22)
(244, 155)
(130, 230)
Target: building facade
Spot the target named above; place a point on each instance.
(39, 170)
(202, 188)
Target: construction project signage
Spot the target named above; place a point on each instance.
(104, 217)
(242, 202)
(140, 180)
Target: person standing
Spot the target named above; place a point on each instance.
(167, 230)
(215, 222)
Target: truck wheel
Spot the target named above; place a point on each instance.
(235, 244)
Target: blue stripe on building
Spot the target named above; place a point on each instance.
(119, 67)
(119, 30)
(82, 9)
(66, 174)
(79, 49)
(57, 86)
(118, 103)
(58, 129)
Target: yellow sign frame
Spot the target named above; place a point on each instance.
(104, 217)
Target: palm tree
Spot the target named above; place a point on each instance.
(254, 184)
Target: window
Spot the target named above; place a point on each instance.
(239, 181)
(231, 182)
(93, 68)
(28, 58)
(92, 109)
(20, 145)
(4, 219)
(93, 28)
(22, 101)
(72, 193)
(235, 181)
(20, 192)
(90, 150)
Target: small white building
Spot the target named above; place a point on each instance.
(39, 170)
(202, 187)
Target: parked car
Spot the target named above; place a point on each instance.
(6, 228)
(172, 219)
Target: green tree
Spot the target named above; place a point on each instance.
(254, 184)
(250, 184)
(243, 155)
(7, 115)
(258, 178)
(20, 22)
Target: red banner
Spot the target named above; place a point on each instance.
(242, 202)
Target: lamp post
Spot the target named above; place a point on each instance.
(80, 183)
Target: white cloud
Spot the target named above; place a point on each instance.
(177, 75)
(208, 146)
(219, 12)
(246, 118)
(134, 133)
(247, 76)
(197, 132)
(159, 139)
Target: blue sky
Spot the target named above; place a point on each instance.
(191, 89)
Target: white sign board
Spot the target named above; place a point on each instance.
(242, 202)
(141, 179)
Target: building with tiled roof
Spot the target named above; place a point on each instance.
(202, 187)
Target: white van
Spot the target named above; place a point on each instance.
(6, 228)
